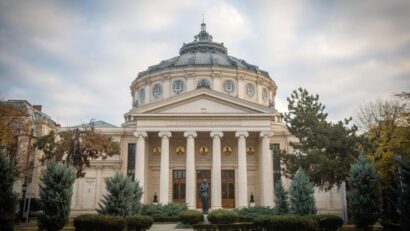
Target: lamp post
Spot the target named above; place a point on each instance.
(24, 190)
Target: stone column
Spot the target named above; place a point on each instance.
(266, 170)
(98, 186)
(164, 172)
(216, 170)
(140, 159)
(242, 169)
(190, 193)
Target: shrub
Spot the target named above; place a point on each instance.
(302, 201)
(168, 212)
(139, 222)
(56, 189)
(288, 223)
(191, 217)
(365, 194)
(121, 190)
(221, 216)
(281, 199)
(97, 222)
(247, 214)
(327, 222)
(7, 197)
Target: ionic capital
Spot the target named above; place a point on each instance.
(242, 133)
(165, 134)
(266, 134)
(140, 134)
(220, 134)
(193, 134)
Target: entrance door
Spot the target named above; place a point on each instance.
(201, 174)
(178, 186)
(228, 189)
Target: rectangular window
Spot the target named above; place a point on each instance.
(276, 162)
(131, 160)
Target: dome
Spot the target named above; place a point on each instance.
(203, 52)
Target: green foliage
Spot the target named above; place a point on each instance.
(320, 143)
(404, 200)
(222, 216)
(191, 217)
(97, 222)
(139, 222)
(288, 223)
(56, 189)
(8, 199)
(81, 145)
(167, 212)
(254, 212)
(365, 194)
(302, 201)
(327, 222)
(123, 196)
(281, 199)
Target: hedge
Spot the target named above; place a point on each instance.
(253, 212)
(139, 222)
(191, 217)
(97, 222)
(327, 222)
(164, 213)
(288, 223)
(221, 216)
(223, 227)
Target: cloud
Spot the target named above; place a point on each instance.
(78, 58)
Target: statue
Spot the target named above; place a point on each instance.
(203, 189)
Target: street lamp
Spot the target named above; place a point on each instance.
(24, 190)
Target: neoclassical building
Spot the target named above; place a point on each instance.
(201, 114)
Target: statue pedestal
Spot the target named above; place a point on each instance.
(206, 219)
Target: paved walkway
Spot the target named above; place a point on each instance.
(163, 227)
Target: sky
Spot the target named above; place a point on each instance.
(78, 58)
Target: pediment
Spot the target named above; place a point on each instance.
(204, 101)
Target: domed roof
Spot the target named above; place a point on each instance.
(203, 52)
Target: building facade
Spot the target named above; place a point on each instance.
(202, 114)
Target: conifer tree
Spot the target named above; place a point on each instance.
(7, 198)
(404, 199)
(281, 199)
(302, 201)
(56, 189)
(123, 196)
(365, 194)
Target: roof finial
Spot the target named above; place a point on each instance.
(203, 25)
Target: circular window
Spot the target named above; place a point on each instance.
(157, 90)
(142, 94)
(264, 94)
(250, 89)
(229, 86)
(178, 86)
(203, 83)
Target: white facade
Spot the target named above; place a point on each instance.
(203, 114)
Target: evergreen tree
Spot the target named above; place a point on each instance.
(302, 201)
(404, 199)
(281, 199)
(8, 199)
(365, 194)
(324, 150)
(56, 189)
(123, 196)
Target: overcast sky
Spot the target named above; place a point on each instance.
(78, 58)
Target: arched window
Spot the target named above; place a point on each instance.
(229, 86)
(264, 94)
(250, 89)
(203, 83)
(178, 86)
(157, 90)
(142, 95)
